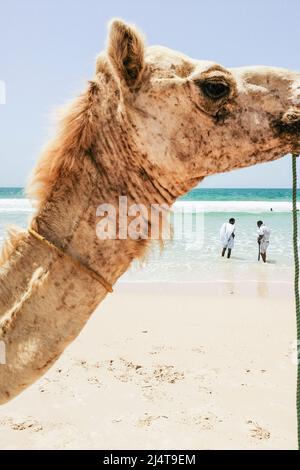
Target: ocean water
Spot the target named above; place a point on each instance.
(242, 194)
(195, 257)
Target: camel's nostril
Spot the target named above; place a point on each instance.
(291, 116)
(288, 127)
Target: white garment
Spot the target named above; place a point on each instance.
(226, 235)
(265, 233)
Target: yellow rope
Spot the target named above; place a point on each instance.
(80, 265)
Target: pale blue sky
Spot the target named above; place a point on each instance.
(47, 51)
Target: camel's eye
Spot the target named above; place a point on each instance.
(215, 90)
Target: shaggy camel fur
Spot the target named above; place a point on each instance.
(151, 124)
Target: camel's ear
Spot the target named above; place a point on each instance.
(126, 51)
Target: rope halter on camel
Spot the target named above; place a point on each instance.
(80, 265)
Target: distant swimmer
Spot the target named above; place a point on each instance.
(227, 237)
(263, 240)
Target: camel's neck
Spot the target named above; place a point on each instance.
(78, 221)
(109, 166)
(42, 293)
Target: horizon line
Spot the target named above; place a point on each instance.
(197, 187)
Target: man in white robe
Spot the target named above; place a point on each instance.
(263, 239)
(227, 237)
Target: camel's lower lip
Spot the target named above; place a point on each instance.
(294, 147)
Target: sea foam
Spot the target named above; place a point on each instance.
(233, 206)
(15, 205)
(24, 205)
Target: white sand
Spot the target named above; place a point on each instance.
(178, 367)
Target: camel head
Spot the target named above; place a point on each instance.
(193, 118)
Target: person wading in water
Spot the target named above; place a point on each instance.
(263, 240)
(227, 237)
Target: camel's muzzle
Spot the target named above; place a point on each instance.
(288, 129)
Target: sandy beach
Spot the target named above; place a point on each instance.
(195, 366)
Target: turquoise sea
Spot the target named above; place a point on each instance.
(196, 256)
(202, 194)
(243, 194)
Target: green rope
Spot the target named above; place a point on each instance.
(297, 303)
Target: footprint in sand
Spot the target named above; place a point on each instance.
(205, 421)
(126, 371)
(28, 424)
(258, 432)
(199, 350)
(167, 374)
(94, 381)
(148, 420)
